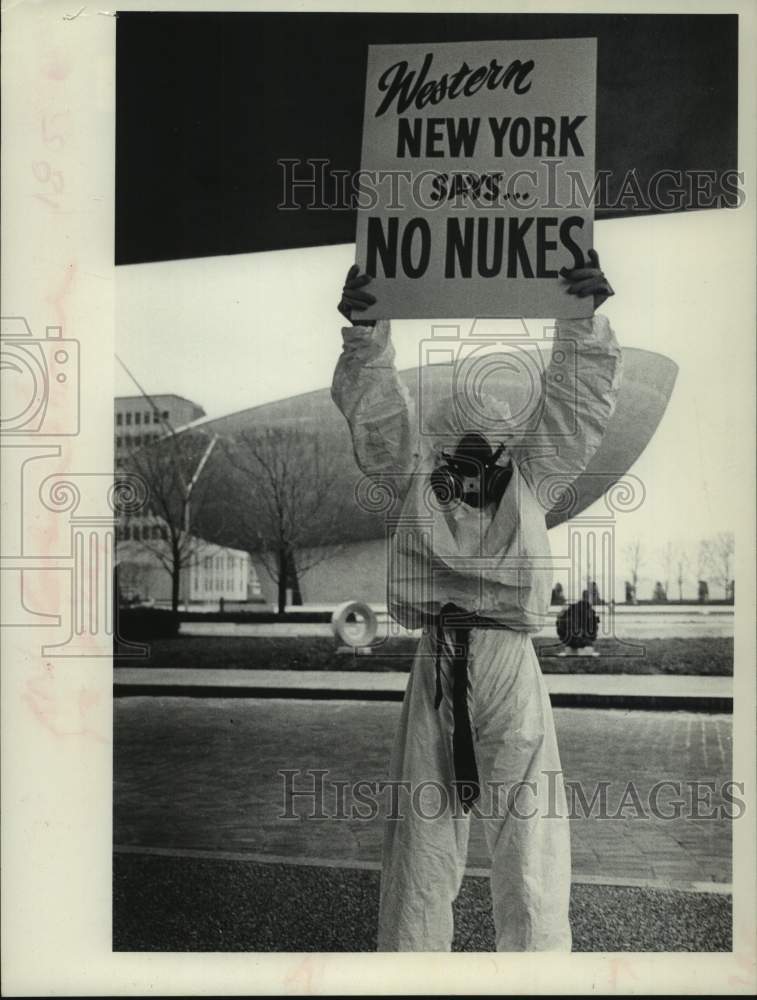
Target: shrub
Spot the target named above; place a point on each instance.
(147, 623)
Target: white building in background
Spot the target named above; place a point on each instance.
(213, 574)
(217, 573)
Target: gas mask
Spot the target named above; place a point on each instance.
(471, 475)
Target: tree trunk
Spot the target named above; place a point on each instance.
(175, 582)
(294, 580)
(282, 580)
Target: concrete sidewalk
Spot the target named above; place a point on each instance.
(666, 692)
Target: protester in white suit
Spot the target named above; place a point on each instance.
(476, 729)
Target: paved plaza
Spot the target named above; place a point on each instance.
(204, 774)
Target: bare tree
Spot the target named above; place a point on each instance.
(719, 559)
(681, 564)
(293, 513)
(634, 555)
(703, 559)
(700, 560)
(170, 468)
(667, 560)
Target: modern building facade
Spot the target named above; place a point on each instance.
(213, 573)
(140, 421)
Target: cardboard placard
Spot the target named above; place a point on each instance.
(477, 170)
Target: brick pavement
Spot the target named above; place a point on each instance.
(203, 774)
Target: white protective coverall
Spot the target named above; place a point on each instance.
(495, 562)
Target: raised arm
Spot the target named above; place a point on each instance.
(367, 390)
(580, 388)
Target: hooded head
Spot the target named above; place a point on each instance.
(450, 425)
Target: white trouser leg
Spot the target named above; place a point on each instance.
(516, 747)
(424, 851)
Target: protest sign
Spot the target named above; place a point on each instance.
(476, 177)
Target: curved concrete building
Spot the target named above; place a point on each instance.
(350, 518)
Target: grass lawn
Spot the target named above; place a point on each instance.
(701, 656)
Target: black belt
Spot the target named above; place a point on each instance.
(459, 623)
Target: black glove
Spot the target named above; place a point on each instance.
(354, 296)
(583, 281)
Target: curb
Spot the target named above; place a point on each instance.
(252, 857)
(654, 703)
